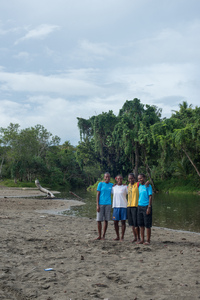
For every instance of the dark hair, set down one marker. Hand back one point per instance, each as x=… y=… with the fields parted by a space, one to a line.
x=119 y=175
x=107 y=173
x=141 y=174
x=131 y=174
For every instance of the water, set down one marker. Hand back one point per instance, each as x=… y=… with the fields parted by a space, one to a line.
x=175 y=211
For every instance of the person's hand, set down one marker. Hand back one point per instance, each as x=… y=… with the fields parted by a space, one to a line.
x=148 y=210
x=98 y=208
x=147 y=183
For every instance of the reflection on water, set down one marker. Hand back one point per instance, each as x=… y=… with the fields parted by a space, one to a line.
x=169 y=210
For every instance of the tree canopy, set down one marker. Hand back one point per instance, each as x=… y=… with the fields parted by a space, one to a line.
x=136 y=140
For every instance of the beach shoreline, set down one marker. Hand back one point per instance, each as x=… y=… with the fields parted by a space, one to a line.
x=84 y=268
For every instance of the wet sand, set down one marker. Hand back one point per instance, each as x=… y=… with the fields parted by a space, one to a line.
x=84 y=268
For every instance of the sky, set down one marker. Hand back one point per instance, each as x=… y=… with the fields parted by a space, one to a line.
x=64 y=59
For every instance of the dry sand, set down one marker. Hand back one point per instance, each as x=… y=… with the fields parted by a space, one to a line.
x=84 y=268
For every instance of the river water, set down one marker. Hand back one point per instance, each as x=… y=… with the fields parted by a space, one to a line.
x=175 y=211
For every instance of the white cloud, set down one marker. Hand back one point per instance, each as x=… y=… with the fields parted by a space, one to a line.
x=22 y=55
x=99 y=49
x=61 y=84
x=39 y=32
x=92 y=56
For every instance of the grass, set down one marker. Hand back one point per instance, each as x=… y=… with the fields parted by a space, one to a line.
x=94 y=186
x=175 y=185
x=25 y=184
x=20 y=184
x=11 y=183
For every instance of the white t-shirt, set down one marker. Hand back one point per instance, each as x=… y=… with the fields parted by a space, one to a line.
x=119 y=196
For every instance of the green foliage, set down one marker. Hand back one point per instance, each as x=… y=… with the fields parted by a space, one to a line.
x=136 y=140
x=175 y=185
x=95 y=185
x=34 y=153
x=10 y=183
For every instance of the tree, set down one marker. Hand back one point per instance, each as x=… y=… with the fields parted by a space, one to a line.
x=186 y=136
x=179 y=133
x=23 y=148
x=132 y=132
x=96 y=135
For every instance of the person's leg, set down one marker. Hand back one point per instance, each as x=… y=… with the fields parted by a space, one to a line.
x=148 y=224
x=140 y=220
x=107 y=212
x=123 y=228
x=134 y=234
x=104 y=229
x=116 y=224
x=137 y=231
x=148 y=236
x=142 y=235
x=130 y=222
x=99 y=230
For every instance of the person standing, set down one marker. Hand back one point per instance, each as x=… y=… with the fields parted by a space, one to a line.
x=132 y=207
x=103 y=205
x=144 y=209
x=119 y=206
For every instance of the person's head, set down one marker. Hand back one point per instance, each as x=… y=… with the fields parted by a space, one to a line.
x=119 y=179
x=141 y=178
x=107 y=177
x=131 y=178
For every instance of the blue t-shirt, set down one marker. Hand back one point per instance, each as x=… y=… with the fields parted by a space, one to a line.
x=144 y=193
x=105 y=193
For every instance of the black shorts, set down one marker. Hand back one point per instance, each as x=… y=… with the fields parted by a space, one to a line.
x=144 y=220
x=132 y=216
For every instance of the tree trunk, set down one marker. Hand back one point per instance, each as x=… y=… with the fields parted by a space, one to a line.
x=191 y=161
x=49 y=194
x=148 y=170
x=136 y=160
x=150 y=178
x=1 y=166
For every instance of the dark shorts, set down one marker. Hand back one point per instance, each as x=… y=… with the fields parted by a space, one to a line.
x=119 y=213
x=132 y=216
x=144 y=220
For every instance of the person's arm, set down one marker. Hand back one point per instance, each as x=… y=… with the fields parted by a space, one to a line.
x=150 y=204
x=126 y=190
x=147 y=183
x=98 y=196
x=149 y=189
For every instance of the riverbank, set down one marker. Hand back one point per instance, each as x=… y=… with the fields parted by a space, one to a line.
x=84 y=268
x=179 y=186
x=169 y=186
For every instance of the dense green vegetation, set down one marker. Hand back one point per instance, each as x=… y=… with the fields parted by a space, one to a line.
x=136 y=140
x=34 y=153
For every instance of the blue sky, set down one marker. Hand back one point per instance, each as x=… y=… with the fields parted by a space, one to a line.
x=77 y=58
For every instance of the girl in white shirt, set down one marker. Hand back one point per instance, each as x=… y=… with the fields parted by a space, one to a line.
x=119 y=205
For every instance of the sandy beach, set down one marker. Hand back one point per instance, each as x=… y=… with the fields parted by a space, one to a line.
x=33 y=240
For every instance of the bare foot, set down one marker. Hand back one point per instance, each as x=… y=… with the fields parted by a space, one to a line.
x=135 y=240
x=147 y=243
x=97 y=239
x=103 y=238
x=117 y=239
x=140 y=242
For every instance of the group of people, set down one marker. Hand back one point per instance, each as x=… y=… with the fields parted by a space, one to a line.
x=138 y=208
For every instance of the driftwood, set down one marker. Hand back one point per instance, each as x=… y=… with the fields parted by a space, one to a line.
x=48 y=193
x=75 y=195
